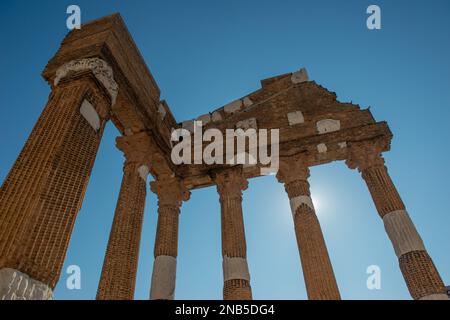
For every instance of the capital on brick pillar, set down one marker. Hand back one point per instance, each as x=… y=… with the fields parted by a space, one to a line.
x=118 y=278
x=43 y=192
x=420 y=274
x=317 y=269
x=230 y=184
x=171 y=193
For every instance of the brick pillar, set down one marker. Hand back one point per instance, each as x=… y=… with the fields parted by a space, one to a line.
x=236 y=276
x=171 y=193
x=43 y=192
x=317 y=269
x=421 y=276
x=118 y=278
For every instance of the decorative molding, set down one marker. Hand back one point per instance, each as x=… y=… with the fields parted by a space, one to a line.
x=230 y=183
x=101 y=70
x=365 y=154
x=170 y=191
x=293 y=168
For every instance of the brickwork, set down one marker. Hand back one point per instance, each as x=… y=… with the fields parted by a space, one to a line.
x=170 y=193
x=317 y=269
x=44 y=190
x=118 y=276
x=421 y=275
x=383 y=191
x=237 y=289
x=230 y=185
x=419 y=272
x=167 y=231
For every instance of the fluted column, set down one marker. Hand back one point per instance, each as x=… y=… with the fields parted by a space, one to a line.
x=43 y=192
x=118 y=278
x=317 y=269
x=419 y=271
x=236 y=276
x=171 y=193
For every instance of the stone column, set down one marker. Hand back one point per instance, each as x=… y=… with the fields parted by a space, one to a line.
x=43 y=192
x=236 y=276
x=171 y=193
x=118 y=278
x=421 y=276
x=317 y=269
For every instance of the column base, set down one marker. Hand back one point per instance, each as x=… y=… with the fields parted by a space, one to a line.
x=15 y=285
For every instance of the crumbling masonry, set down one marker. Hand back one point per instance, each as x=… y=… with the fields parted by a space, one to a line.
x=98 y=75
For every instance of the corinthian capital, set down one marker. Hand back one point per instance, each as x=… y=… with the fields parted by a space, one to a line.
x=363 y=155
x=137 y=148
x=230 y=183
x=293 y=168
x=99 y=68
x=170 y=190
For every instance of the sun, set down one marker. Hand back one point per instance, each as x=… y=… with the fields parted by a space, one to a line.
x=317 y=201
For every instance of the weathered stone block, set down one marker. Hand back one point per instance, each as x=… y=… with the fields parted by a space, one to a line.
x=15 y=285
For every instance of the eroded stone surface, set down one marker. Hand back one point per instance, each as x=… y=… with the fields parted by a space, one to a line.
x=322 y=148
x=162 y=111
x=300 y=76
x=298 y=201
x=87 y=110
x=205 y=119
x=247 y=102
x=403 y=234
x=235 y=268
x=100 y=68
x=247 y=124
x=163 y=278
x=15 y=285
x=233 y=106
x=216 y=116
x=295 y=117
x=328 y=125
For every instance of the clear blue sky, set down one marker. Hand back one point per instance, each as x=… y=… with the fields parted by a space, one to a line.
x=204 y=54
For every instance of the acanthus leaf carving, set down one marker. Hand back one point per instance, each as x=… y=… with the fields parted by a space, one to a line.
x=100 y=69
